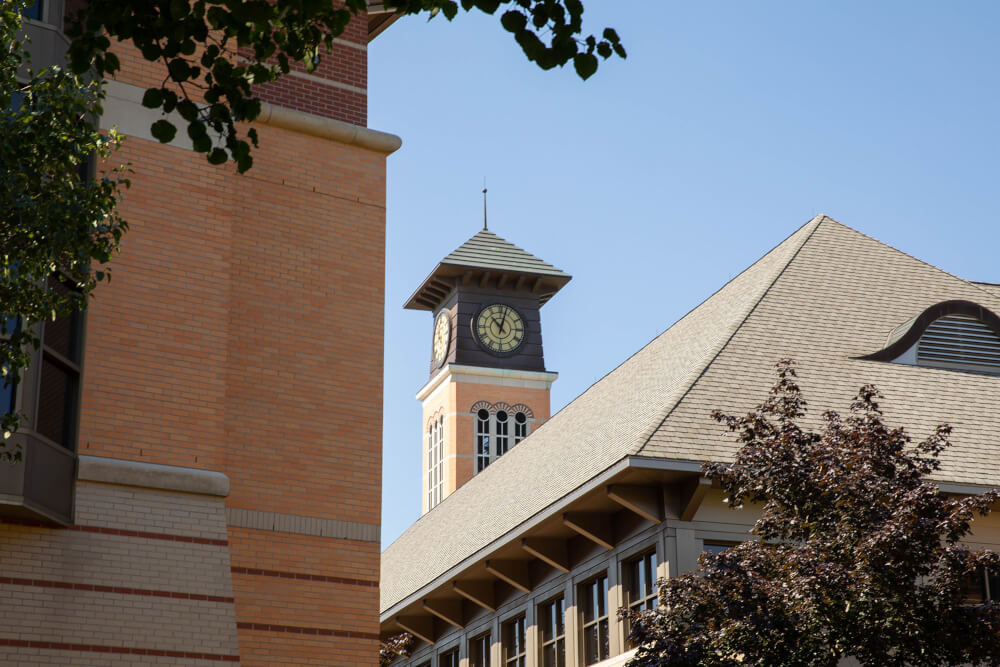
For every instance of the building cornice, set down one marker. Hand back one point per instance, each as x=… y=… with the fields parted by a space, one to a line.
x=151 y=475
x=485 y=375
x=123 y=108
x=328 y=128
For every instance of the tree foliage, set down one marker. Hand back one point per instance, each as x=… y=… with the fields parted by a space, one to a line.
x=58 y=225
x=859 y=553
x=396 y=646
x=215 y=51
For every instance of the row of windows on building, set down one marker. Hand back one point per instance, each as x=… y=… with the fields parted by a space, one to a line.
x=496 y=432
x=639 y=581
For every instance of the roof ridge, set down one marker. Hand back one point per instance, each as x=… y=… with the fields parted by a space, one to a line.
x=974 y=283
x=699 y=371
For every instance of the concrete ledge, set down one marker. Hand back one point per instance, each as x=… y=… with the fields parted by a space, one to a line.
x=152 y=476
x=328 y=128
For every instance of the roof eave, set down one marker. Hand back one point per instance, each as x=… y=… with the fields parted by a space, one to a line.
x=428 y=296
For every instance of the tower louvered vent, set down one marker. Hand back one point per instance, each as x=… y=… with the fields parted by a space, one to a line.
x=960 y=341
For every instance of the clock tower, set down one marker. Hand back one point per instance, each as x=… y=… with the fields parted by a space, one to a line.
x=488 y=386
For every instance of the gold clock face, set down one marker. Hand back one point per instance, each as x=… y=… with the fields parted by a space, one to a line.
x=442 y=336
x=499 y=328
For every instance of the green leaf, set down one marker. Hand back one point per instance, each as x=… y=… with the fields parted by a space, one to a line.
x=152 y=98
x=513 y=21
x=585 y=65
x=217 y=156
x=164 y=131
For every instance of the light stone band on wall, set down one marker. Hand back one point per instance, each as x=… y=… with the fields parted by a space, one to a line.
x=151 y=475
x=302 y=525
x=123 y=109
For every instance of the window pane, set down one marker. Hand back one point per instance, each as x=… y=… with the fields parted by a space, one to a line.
x=449 y=659
x=479 y=651
x=7 y=395
x=482 y=440
x=590 y=641
x=34 y=11
x=56 y=398
x=513 y=642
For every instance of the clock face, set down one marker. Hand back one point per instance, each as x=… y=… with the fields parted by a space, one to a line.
x=499 y=328
x=442 y=336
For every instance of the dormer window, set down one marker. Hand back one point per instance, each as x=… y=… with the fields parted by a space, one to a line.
x=959 y=341
x=958 y=335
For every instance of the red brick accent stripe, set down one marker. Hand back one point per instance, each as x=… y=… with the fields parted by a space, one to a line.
x=96 y=648
x=298 y=630
x=120 y=532
x=124 y=590
x=303 y=576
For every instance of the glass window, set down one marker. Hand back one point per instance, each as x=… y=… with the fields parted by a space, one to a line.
x=479 y=651
x=34 y=11
x=520 y=427
x=716 y=547
x=512 y=636
x=594 y=608
x=482 y=440
x=639 y=575
x=435 y=462
x=449 y=659
x=552 y=632
x=501 y=432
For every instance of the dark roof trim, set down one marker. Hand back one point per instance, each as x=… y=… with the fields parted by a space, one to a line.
x=915 y=328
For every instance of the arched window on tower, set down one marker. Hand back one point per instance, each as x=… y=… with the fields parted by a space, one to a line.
x=482 y=439
x=502 y=432
x=520 y=427
x=496 y=426
x=435 y=461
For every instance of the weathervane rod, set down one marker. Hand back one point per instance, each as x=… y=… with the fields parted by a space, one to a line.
x=484 y=205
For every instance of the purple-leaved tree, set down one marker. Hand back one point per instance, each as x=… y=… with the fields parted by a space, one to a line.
x=858 y=553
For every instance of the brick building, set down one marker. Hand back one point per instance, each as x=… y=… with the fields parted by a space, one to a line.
x=527 y=561
x=201 y=473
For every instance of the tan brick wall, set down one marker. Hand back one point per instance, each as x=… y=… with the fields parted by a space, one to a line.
x=242 y=332
x=105 y=586
x=454 y=401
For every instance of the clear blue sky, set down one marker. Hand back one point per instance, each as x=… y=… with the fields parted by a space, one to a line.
x=729 y=125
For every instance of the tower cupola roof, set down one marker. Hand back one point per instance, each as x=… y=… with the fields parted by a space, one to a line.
x=483 y=258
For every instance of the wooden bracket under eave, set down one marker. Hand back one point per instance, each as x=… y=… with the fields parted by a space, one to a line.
x=595 y=527
x=513 y=572
x=449 y=611
x=481 y=593
x=553 y=551
x=421 y=627
x=692 y=493
x=644 y=500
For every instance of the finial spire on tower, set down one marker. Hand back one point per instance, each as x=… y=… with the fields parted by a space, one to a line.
x=484 y=205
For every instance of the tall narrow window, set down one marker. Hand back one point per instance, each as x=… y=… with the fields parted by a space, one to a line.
x=552 y=632
x=594 y=604
x=449 y=659
x=640 y=584
x=60 y=374
x=435 y=462
x=520 y=427
x=8 y=385
x=502 y=432
x=482 y=439
x=512 y=640
x=479 y=651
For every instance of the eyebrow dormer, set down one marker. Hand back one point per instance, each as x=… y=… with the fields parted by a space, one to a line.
x=959 y=335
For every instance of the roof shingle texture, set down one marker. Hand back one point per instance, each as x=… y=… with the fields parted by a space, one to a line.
x=486 y=250
x=825 y=296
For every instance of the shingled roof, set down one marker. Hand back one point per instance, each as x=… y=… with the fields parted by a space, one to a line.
x=825 y=297
x=487 y=252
